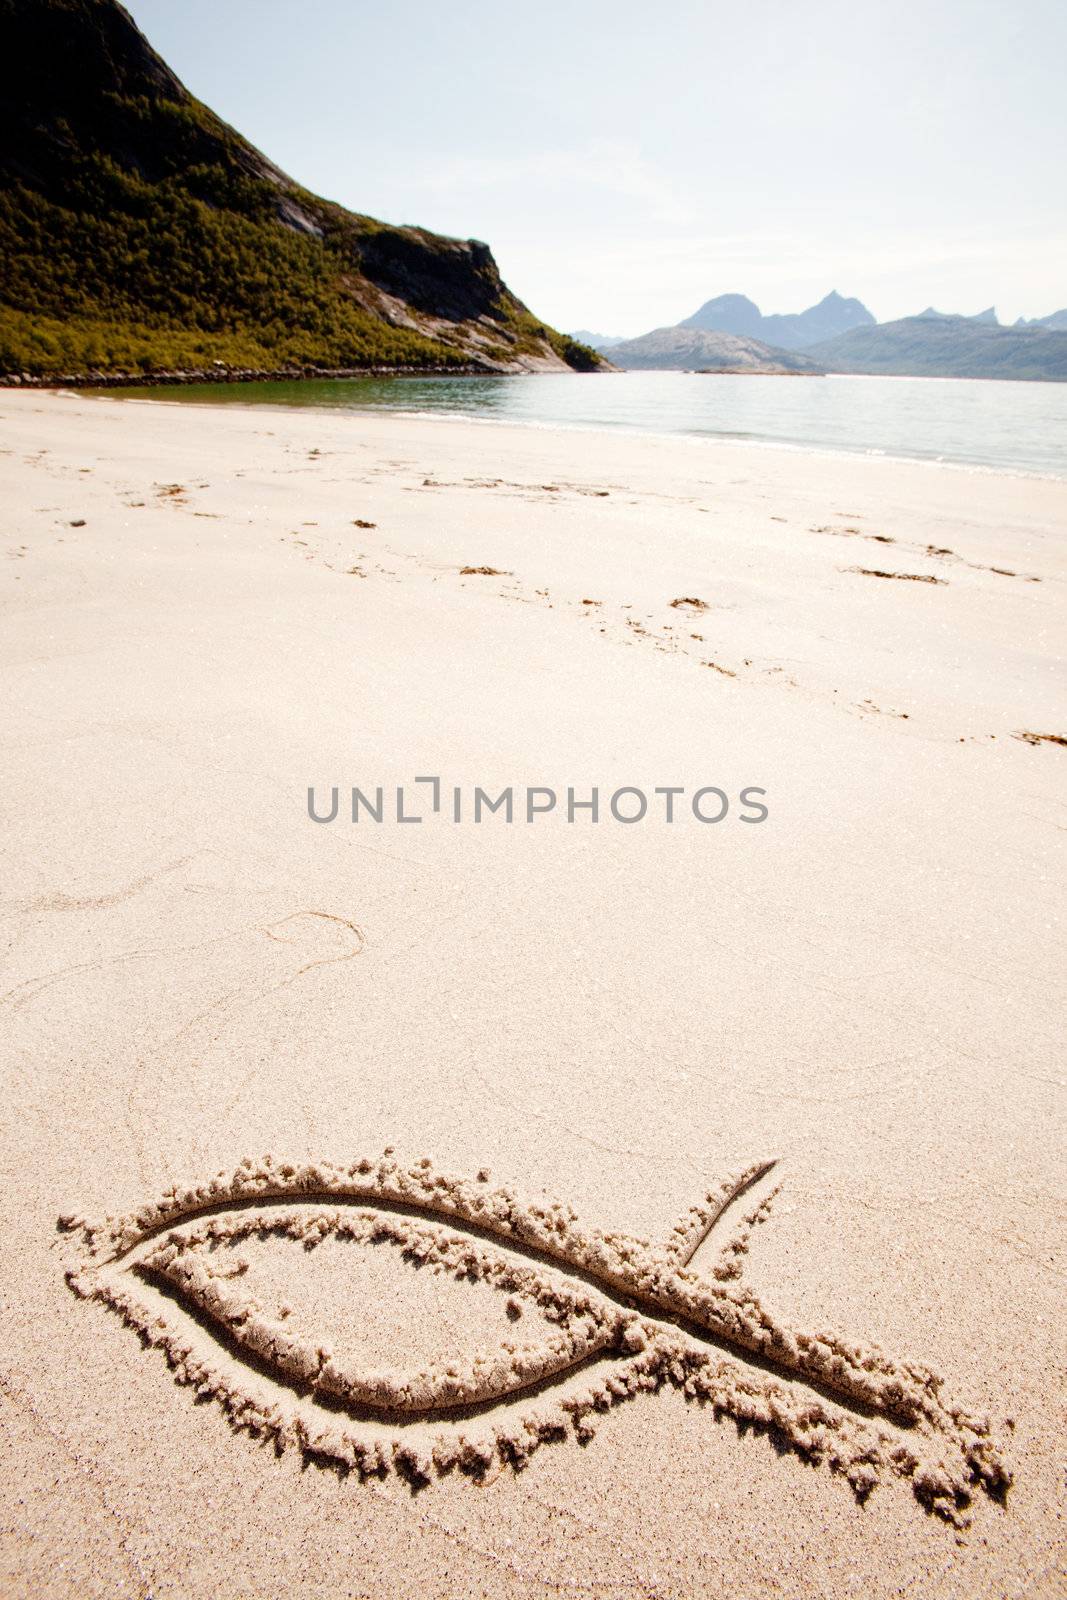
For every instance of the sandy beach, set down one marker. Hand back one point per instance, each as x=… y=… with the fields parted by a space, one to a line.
x=618 y=1207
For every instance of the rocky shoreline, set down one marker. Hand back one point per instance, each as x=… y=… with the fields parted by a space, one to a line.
x=219 y=374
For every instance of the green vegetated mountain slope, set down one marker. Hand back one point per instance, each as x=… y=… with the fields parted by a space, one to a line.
x=139 y=232
x=933 y=346
x=702 y=350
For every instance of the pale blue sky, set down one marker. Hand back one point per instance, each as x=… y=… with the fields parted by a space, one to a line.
x=627 y=161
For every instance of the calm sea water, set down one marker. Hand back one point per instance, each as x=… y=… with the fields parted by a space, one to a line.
x=1018 y=427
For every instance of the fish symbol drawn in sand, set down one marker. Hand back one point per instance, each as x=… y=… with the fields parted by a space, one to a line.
x=615 y=1317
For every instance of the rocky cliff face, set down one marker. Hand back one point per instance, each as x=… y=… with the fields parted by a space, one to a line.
x=138 y=229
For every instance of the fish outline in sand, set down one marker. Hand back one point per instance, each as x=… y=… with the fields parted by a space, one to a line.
x=627 y=1318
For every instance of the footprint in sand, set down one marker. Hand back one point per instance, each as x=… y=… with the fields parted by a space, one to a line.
x=906 y=577
x=536 y=1323
x=321 y=938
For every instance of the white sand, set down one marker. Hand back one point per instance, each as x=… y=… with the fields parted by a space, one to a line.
x=611 y=1018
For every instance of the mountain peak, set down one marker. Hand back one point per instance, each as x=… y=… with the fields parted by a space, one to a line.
x=1056 y=320
x=734 y=301
x=737 y=314
x=728 y=313
x=989 y=316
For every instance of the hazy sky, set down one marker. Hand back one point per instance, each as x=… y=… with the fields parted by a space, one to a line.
x=627 y=161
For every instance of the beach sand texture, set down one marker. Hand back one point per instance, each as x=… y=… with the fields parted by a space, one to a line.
x=508 y=1209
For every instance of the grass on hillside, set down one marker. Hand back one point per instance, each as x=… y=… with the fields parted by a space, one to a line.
x=106 y=268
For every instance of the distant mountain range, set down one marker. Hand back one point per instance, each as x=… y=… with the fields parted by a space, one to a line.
x=934 y=346
x=988 y=315
x=735 y=313
x=598 y=341
x=730 y=333
x=1057 y=321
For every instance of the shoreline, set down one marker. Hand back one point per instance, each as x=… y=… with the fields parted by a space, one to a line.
x=237 y=375
x=113 y=380
x=607 y=431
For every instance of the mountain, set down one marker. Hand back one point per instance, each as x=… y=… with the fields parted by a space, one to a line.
x=735 y=313
x=139 y=231
x=989 y=315
x=936 y=346
x=728 y=313
x=698 y=349
x=1057 y=321
x=597 y=341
